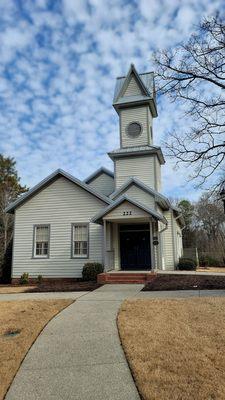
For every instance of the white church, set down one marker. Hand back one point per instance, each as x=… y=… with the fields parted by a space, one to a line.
x=119 y=218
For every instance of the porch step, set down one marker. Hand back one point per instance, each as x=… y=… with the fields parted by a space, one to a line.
x=126 y=277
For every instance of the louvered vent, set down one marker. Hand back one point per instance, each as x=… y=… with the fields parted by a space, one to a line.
x=134 y=129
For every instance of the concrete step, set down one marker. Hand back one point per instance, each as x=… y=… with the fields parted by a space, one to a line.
x=121 y=277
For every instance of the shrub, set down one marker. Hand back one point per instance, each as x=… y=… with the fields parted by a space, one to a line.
x=24 y=279
x=91 y=270
x=186 y=264
x=207 y=261
x=40 y=279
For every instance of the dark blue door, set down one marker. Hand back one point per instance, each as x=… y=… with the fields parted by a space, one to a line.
x=135 y=249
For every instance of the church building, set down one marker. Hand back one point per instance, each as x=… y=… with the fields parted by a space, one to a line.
x=119 y=218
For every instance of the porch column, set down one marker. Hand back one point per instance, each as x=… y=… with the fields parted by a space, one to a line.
x=104 y=244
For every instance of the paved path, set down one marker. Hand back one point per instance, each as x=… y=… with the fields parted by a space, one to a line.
x=176 y=272
x=180 y=294
x=78 y=355
x=41 y=296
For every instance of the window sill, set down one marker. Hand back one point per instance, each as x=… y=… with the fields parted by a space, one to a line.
x=40 y=257
x=79 y=257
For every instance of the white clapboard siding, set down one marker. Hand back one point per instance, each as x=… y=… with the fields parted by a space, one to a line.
x=118 y=212
x=141 y=167
x=59 y=205
x=133 y=88
x=103 y=184
x=134 y=114
x=168 y=243
x=136 y=193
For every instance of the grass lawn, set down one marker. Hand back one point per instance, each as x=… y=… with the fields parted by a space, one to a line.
x=20 y=324
x=175 y=348
x=185 y=282
x=54 y=286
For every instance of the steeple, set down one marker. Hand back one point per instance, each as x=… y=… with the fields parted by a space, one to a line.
x=134 y=101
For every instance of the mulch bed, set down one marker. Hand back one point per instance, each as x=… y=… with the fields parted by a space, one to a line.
x=78 y=286
x=185 y=282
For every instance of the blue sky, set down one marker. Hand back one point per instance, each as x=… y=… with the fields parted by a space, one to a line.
x=58 y=64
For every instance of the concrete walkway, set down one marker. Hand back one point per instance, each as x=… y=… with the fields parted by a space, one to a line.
x=78 y=355
x=41 y=296
x=176 y=294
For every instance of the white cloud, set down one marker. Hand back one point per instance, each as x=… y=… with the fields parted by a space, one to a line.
x=58 y=68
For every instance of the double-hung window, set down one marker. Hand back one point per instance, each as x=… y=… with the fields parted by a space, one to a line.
x=41 y=241
x=80 y=240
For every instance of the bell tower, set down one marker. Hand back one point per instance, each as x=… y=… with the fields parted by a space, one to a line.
x=134 y=101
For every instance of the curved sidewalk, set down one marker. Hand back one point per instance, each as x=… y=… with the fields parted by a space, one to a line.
x=78 y=355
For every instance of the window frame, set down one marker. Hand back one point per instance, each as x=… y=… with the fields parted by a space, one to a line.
x=41 y=256
x=85 y=256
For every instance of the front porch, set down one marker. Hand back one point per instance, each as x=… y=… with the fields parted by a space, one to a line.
x=130 y=237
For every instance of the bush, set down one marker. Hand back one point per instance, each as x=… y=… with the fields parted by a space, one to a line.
x=186 y=264
x=207 y=261
x=91 y=270
x=40 y=279
x=24 y=279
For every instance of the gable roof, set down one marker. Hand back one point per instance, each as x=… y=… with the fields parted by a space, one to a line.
x=146 y=83
x=139 y=151
x=122 y=83
x=98 y=172
x=47 y=181
x=160 y=199
x=98 y=217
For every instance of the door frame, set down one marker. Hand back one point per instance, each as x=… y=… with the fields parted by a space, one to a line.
x=148 y=229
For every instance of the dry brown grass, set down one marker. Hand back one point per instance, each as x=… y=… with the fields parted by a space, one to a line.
x=175 y=348
x=211 y=269
x=9 y=289
x=28 y=317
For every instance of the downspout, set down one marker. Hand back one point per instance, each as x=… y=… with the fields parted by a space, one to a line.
x=160 y=242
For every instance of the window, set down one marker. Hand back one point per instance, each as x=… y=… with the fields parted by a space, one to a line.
x=80 y=240
x=41 y=240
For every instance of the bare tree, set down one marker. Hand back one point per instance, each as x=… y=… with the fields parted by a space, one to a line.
x=193 y=74
x=209 y=225
x=10 y=189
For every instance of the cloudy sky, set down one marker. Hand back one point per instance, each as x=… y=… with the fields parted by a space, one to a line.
x=58 y=64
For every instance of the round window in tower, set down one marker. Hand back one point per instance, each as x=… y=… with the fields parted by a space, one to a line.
x=134 y=129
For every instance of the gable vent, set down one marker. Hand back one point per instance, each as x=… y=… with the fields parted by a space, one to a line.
x=134 y=129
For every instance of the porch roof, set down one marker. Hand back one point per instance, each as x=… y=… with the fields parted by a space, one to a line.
x=98 y=218
x=160 y=199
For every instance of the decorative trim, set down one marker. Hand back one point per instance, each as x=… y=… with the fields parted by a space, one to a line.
x=88 y=239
